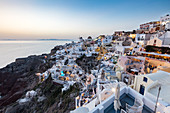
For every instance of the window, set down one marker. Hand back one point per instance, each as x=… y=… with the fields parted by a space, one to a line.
x=128 y=62
x=145 y=79
x=142 y=89
x=138 y=38
x=154 y=41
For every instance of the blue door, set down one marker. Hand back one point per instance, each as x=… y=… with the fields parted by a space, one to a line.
x=142 y=89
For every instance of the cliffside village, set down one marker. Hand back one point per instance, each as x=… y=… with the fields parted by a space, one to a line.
x=137 y=62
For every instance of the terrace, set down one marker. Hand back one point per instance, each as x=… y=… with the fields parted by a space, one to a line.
x=163 y=57
x=127 y=98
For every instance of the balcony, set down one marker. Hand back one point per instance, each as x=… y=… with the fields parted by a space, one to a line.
x=127 y=98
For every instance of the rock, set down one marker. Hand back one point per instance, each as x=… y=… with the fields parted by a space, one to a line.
x=87 y=63
x=53 y=51
x=72 y=95
x=21 y=101
x=19 y=77
x=41 y=98
x=31 y=94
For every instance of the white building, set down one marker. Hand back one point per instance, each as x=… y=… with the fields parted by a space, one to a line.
x=139 y=39
x=149 y=25
x=81 y=39
x=166 y=35
x=149 y=84
x=167 y=26
x=154 y=40
x=165 y=19
x=119 y=43
x=165 y=38
x=107 y=39
x=99 y=42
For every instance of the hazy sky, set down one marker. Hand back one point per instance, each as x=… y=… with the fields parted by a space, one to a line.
x=33 y=19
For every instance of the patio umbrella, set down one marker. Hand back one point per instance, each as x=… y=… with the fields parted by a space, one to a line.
x=117 y=96
x=98 y=92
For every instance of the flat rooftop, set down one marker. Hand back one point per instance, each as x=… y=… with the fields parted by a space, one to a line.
x=164 y=93
x=163 y=78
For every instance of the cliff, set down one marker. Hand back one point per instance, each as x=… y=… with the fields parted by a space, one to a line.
x=19 y=77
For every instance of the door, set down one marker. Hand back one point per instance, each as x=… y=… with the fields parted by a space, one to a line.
x=142 y=89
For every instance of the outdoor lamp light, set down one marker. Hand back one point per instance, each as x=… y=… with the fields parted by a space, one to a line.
x=113 y=89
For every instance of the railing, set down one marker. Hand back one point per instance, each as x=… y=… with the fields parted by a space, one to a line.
x=124 y=90
x=136 y=108
x=123 y=111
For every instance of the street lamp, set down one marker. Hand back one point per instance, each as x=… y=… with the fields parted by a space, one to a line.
x=157 y=99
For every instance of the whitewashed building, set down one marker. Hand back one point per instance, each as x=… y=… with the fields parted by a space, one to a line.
x=154 y=40
x=165 y=19
x=165 y=38
x=167 y=26
x=149 y=84
x=139 y=39
x=107 y=39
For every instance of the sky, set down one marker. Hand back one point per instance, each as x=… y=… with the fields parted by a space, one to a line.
x=70 y=19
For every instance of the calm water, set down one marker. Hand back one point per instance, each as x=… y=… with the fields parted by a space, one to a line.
x=10 y=50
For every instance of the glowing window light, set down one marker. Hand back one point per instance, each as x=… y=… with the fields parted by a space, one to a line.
x=62 y=73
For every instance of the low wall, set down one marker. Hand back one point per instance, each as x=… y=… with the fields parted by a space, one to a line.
x=105 y=104
x=148 y=95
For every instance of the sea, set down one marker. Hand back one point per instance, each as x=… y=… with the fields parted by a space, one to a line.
x=12 y=49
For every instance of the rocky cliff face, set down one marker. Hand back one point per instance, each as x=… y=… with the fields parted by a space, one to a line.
x=19 y=77
x=54 y=101
x=87 y=63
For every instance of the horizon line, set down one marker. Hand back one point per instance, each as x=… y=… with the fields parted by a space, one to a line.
x=36 y=39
